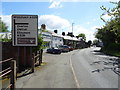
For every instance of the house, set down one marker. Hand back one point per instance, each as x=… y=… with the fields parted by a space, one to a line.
x=57 y=40
x=47 y=38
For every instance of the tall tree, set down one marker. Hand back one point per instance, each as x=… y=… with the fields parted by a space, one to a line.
x=110 y=32
x=82 y=35
x=3 y=27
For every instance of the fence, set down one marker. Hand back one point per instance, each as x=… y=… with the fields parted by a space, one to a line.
x=9 y=71
x=37 y=59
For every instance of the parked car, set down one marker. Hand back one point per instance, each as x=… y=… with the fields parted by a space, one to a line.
x=64 y=48
x=70 y=48
x=54 y=50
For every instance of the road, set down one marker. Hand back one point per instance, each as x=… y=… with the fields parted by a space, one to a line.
x=92 y=70
x=83 y=68
x=56 y=73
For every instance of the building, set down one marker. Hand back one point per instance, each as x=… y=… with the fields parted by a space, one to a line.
x=47 y=38
x=57 y=40
x=52 y=39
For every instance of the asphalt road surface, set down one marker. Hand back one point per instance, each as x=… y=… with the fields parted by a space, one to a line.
x=93 y=69
x=83 y=68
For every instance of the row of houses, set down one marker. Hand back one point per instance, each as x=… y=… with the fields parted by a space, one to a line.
x=53 y=39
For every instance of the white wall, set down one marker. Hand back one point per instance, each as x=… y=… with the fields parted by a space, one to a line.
x=56 y=41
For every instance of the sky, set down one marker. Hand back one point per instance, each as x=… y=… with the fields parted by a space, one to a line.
x=60 y=14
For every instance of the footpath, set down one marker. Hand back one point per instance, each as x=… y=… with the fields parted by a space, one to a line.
x=55 y=72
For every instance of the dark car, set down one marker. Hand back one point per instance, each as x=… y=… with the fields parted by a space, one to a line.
x=64 y=48
x=70 y=48
x=54 y=50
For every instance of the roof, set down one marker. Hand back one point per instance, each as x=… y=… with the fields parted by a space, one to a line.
x=70 y=38
x=57 y=35
x=67 y=37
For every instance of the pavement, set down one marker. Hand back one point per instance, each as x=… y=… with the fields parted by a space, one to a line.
x=55 y=72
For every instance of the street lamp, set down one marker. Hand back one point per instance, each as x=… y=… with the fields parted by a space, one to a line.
x=72 y=27
x=72 y=35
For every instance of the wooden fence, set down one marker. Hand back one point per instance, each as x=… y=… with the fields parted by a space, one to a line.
x=37 y=59
x=9 y=71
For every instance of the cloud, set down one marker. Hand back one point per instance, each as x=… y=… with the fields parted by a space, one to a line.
x=88 y=23
x=89 y=33
x=106 y=17
x=94 y=28
x=53 y=22
x=55 y=4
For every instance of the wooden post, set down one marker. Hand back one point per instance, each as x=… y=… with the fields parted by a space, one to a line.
x=35 y=59
x=24 y=57
x=41 y=54
x=39 y=58
x=17 y=61
x=32 y=59
x=13 y=75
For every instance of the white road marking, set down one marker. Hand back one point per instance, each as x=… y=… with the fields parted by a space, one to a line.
x=75 y=78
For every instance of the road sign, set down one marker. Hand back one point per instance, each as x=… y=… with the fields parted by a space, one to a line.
x=25 y=30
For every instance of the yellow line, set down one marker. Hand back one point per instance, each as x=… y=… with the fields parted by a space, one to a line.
x=75 y=78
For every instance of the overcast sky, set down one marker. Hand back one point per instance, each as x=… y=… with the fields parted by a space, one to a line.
x=60 y=14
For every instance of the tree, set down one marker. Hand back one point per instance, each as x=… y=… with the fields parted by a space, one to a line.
x=95 y=42
x=83 y=36
x=89 y=43
x=3 y=27
x=109 y=34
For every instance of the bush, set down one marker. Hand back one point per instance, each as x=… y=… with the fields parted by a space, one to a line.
x=113 y=47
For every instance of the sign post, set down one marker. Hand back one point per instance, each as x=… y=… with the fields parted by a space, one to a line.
x=24 y=33
x=25 y=30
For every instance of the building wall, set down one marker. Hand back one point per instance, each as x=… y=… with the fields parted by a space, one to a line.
x=56 y=41
x=47 y=38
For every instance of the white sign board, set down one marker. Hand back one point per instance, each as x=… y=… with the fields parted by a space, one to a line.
x=25 y=30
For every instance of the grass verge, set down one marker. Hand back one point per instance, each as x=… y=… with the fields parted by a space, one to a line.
x=112 y=53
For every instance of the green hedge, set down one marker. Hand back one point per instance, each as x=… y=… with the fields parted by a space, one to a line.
x=112 y=49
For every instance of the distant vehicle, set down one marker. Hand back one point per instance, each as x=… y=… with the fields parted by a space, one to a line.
x=54 y=50
x=70 y=48
x=99 y=44
x=64 y=48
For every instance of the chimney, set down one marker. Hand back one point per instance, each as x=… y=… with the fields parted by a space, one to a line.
x=43 y=26
x=63 y=33
x=55 y=31
x=70 y=34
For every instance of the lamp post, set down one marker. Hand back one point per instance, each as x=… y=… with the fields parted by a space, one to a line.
x=72 y=35
x=72 y=28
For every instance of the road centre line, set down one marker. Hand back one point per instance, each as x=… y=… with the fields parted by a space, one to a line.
x=75 y=78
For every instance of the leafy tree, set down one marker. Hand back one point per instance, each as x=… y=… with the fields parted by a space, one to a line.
x=83 y=36
x=95 y=42
x=3 y=27
x=109 y=34
x=89 y=43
